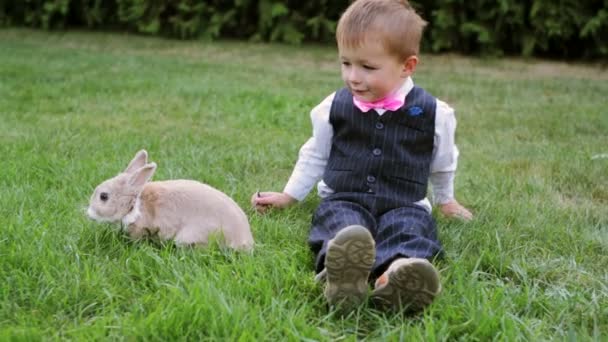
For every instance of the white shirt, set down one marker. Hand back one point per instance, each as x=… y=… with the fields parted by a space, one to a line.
x=314 y=153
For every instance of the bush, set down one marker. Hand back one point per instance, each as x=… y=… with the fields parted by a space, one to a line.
x=562 y=28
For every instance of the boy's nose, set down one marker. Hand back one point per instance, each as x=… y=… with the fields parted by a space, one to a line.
x=353 y=77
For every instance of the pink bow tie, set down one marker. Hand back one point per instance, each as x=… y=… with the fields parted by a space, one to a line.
x=391 y=102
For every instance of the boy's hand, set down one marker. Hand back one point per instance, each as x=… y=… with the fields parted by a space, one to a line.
x=262 y=201
x=453 y=209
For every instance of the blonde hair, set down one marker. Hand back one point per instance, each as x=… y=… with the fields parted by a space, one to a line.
x=396 y=21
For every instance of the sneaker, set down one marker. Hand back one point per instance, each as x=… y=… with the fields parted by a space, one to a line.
x=409 y=284
x=348 y=261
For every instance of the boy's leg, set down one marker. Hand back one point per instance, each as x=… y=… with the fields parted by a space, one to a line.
x=348 y=262
x=408 y=232
x=345 y=250
x=330 y=217
x=409 y=284
x=406 y=239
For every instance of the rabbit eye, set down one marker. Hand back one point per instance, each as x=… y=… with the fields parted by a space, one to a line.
x=103 y=196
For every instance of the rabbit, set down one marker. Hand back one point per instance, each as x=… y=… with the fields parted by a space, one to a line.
x=186 y=211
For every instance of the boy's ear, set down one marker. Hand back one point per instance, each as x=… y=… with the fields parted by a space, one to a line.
x=409 y=66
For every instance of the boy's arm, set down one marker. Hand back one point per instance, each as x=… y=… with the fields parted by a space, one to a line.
x=313 y=154
x=445 y=162
x=310 y=166
x=445 y=154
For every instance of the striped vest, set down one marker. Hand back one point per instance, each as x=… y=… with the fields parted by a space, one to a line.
x=388 y=155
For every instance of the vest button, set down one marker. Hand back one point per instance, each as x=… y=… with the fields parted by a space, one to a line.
x=371 y=179
x=379 y=125
x=377 y=151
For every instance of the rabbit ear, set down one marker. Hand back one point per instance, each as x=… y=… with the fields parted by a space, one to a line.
x=140 y=159
x=142 y=175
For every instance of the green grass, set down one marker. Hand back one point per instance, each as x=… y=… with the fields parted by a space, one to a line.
x=75 y=107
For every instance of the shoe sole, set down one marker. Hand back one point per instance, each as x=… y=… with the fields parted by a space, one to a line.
x=409 y=287
x=348 y=261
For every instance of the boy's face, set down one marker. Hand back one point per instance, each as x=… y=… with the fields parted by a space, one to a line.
x=370 y=72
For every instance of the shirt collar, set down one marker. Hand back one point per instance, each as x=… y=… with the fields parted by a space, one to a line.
x=402 y=92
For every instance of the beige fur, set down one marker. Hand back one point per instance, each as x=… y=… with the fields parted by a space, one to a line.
x=186 y=211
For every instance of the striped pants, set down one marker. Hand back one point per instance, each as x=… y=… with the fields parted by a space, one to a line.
x=399 y=231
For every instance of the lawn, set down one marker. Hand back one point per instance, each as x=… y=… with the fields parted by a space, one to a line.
x=75 y=107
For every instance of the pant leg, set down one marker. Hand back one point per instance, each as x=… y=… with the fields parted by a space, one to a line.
x=330 y=217
x=405 y=232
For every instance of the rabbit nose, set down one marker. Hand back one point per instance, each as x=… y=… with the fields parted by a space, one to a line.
x=91 y=213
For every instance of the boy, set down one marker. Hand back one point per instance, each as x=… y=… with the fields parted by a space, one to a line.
x=375 y=144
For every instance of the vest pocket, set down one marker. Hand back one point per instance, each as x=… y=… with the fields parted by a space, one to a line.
x=406 y=173
x=415 y=123
x=401 y=180
x=343 y=164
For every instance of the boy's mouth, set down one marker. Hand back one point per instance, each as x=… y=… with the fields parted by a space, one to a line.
x=359 y=93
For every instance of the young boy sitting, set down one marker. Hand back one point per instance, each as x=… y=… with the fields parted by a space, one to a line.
x=375 y=145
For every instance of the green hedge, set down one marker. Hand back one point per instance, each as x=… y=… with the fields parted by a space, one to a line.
x=560 y=28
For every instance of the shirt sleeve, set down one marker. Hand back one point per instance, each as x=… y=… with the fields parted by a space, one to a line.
x=445 y=154
x=314 y=154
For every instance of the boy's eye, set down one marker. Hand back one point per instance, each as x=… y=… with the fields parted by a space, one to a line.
x=345 y=63
x=369 y=67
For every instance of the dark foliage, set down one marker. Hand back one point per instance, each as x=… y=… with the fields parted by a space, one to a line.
x=562 y=28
